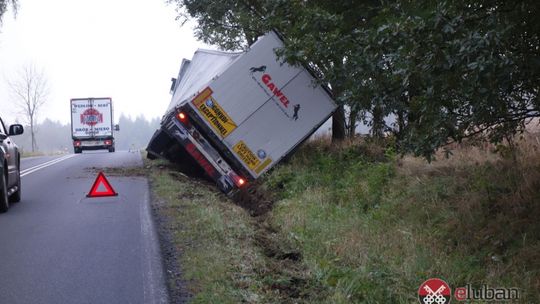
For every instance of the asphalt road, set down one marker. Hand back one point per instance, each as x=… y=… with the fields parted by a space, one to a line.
x=58 y=246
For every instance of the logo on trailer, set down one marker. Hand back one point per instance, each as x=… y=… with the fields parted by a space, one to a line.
x=271 y=89
x=261 y=69
x=296 y=109
x=91 y=117
x=261 y=154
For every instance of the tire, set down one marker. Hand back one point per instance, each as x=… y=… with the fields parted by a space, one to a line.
x=4 y=201
x=111 y=149
x=77 y=150
x=16 y=197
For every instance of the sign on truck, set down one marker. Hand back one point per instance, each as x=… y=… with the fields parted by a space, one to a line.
x=238 y=114
x=92 y=124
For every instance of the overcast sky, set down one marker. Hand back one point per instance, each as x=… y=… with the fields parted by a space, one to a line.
x=124 y=49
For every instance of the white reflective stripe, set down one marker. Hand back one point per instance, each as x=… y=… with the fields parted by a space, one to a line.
x=45 y=165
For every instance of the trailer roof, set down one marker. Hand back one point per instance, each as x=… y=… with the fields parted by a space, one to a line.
x=194 y=74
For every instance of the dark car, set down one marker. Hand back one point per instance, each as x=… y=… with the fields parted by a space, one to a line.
x=10 y=165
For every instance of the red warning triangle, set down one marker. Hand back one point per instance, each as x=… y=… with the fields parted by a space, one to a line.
x=102 y=182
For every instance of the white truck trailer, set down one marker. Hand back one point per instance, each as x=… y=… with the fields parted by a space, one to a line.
x=236 y=115
x=92 y=124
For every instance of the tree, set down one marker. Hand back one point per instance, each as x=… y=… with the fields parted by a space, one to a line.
x=4 y=6
x=30 y=90
x=447 y=69
x=451 y=70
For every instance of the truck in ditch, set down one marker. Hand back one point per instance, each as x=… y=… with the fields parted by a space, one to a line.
x=237 y=115
x=92 y=124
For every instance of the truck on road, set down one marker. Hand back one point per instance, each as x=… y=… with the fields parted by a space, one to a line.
x=92 y=124
x=236 y=115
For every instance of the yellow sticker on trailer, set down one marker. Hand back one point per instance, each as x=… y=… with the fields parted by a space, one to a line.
x=214 y=114
x=261 y=167
x=245 y=154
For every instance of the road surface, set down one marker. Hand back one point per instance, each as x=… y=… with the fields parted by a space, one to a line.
x=58 y=246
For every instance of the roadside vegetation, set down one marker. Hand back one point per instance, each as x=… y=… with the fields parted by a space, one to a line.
x=215 y=252
x=373 y=227
x=356 y=223
x=25 y=153
x=210 y=239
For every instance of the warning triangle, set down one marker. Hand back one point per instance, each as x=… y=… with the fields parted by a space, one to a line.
x=98 y=186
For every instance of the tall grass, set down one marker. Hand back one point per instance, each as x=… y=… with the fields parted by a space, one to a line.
x=354 y=223
x=212 y=239
x=372 y=227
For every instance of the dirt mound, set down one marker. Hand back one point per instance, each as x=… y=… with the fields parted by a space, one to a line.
x=255 y=199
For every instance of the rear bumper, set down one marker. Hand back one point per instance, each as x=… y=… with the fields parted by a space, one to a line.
x=94 y=144
x=202 y=152
x=94 y=147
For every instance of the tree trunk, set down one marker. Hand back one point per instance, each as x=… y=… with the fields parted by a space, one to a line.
x=377 y=127
x=399 y=133
x=338 y=124
x=33 y=137
x=351 y=127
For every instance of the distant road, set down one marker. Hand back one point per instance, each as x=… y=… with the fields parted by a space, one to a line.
x=57 y=246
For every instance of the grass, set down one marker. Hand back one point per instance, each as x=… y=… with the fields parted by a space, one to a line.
x=354 y=223
x=213 y=238
x=373 y=228
x=225 y=255
x=25 y=154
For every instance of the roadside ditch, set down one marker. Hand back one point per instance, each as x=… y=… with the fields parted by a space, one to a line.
x=218 y=249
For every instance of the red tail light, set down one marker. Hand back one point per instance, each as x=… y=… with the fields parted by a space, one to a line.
x=77 y=143
x=181 y=116
x=238 y=180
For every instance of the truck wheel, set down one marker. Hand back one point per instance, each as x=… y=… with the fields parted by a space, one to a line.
x=111 y=149
x=4 y=202
x=77 y=150
x=16 y=197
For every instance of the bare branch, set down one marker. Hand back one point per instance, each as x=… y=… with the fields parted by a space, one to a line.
x=30 y=90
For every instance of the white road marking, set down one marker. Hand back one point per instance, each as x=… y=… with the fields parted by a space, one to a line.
x=45 y=165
